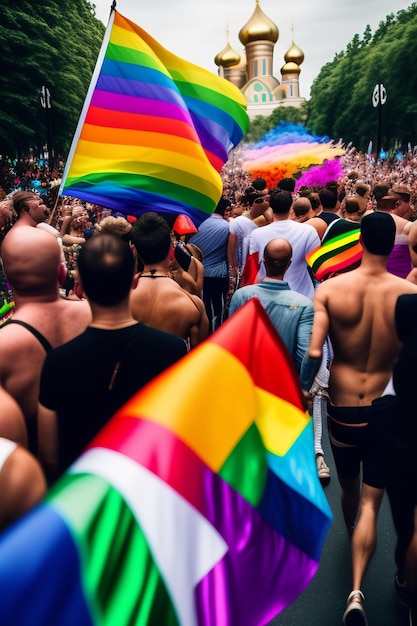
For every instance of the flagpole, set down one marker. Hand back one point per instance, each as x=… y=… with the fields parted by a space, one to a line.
x=89 y=95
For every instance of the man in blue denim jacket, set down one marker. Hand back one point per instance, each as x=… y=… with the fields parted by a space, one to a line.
x=290 y=312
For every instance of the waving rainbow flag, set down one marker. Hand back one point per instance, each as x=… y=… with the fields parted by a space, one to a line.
x=155 y=129
x=336 y=254
x=198 y=503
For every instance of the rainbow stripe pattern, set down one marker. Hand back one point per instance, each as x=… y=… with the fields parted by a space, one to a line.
x=155 y=129
x=336 y=255
x=197 y=504
x=288 y=149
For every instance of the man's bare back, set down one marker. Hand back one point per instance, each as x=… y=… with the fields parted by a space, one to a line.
x=360 y=310
x=160 y=302
x=31 y=260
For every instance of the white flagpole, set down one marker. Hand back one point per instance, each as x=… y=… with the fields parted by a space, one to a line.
x=88 y=97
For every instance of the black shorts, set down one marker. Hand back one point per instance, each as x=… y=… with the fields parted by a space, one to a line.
x=367 y=443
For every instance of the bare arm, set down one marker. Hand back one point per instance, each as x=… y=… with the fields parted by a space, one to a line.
x=22 y=486
x=312 y=360
x=199 y=332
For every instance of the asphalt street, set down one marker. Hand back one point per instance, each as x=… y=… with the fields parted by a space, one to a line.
x=323 y=602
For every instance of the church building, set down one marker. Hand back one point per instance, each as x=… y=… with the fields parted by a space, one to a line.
x=252 y=72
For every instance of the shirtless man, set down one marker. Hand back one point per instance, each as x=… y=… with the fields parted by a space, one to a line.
x=30 y=208
x=357 y=310
x=159 y=301
x=32 y=264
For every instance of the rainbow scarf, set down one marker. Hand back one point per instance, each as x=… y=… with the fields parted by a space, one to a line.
x=198 y=503
x=155 y=129
x=336 y=255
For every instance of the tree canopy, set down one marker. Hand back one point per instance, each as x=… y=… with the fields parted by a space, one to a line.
x=341 y=95
x=52 y=44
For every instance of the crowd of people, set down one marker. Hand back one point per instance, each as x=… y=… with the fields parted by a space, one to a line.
x=91 y=297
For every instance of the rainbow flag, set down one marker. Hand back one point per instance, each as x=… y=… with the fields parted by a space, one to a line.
x=197 y=504
x=155 y=129
x=336 y=255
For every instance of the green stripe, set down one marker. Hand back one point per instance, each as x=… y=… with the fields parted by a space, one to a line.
x=325 y=256
x=216 y=98
x=246 y=469
x=157 y=186
x=121 y=581
x=130 y=55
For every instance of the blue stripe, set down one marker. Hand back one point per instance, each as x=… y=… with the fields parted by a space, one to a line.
x=136 y=73
x=134 y=201
x=40 y=583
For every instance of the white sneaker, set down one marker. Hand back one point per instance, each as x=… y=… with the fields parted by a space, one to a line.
x=323 y=470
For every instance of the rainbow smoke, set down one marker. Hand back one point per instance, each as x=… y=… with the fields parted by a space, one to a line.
x=289 y=149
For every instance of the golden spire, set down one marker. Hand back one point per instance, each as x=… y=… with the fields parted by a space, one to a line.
x=294 y=54
x=227 y=57
x=258 y=28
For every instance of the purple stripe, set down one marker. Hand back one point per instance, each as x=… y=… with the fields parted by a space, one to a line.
x=131 y=104
x=261 y=573
x=123 y=86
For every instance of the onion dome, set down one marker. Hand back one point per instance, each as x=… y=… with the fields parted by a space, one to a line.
x=294 y=54
x=227 y=57
x=290 y=68
x=258 y=28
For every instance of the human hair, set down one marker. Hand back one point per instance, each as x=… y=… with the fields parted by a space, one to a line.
x=259 y=184
x=20 y=198
x=105 y=267
x=378 y=233
x=301 y=206
x=115 y=225
x=315 y=200
x=286 y=184
x=222 y=205
x=328 y=199
x=280 y=202
x=351 y=205
x=151 y=237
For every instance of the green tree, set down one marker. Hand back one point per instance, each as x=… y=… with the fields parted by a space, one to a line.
x=50 y=43
x=341 y=96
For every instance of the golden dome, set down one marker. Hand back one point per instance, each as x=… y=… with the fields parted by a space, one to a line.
x=227 y=57
x=258 y=28
x=294 y=55
x=290 y=68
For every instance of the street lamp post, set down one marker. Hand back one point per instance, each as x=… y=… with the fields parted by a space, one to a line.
x=46 y=103
x=379 y=97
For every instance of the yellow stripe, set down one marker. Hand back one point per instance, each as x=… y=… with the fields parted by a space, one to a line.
x=279 y=422
x=110 y=158
x=207 y=399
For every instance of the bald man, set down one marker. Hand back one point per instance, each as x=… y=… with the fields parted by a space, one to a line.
x=301 y=210
x=42 y=320
x=290 y=312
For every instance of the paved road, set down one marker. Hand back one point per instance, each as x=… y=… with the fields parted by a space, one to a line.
x=324 y=600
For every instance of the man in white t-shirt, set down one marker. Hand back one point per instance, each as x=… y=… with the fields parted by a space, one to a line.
x=303 y=239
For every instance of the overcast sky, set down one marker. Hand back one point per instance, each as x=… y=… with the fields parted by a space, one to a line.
x=196 y=29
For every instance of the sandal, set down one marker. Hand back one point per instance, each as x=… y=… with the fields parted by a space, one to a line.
x=355 y=614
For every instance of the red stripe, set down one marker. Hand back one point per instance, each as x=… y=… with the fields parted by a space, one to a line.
x=137 y=121
x=262 y=352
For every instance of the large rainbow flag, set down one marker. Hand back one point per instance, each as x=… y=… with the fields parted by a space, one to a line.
x=198 y=503
x=155 y=130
